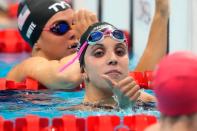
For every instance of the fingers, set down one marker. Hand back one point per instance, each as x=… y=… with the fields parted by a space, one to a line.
x=126 y=88
x=111 y=82
x=81 y=15
x=87 y=17
x=90 y=17
x=93 y=17
x=82 y=20
x=125 y=81
x=134 y=93
x=136 y=96
x=129 y=88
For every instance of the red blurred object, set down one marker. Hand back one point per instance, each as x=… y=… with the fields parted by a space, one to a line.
x=31 y=84
x=108 y=123
x=92 y=123
x=127 y=34
x=102 y=123
x=148 y=76
x=144 y=79
x=6 y=125
x=2 y=84
x=73 y=123
x=12 y=10
x=139 y=78
x=139 y=122
x=10 y=85
x=68 y=123
x=1 y=123
x=28 y=84
x=31 y=123
x=12 y=42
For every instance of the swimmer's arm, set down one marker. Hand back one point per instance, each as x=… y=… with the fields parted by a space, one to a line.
x=157 y=42
x=47 y=72
x=82 y=20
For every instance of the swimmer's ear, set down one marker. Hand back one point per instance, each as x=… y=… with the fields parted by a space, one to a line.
x=84 y=74
x=85 y=77
x=35 y=49
x=37 y=46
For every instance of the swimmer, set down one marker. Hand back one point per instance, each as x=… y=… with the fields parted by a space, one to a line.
x=52 y=28
x=176 y=91
x=103 y=57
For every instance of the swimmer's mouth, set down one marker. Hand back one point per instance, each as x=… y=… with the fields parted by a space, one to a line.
x=115 y=72
x=72 y=46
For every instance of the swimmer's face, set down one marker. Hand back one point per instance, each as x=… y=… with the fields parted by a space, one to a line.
x=108 y=57
x=58 y=46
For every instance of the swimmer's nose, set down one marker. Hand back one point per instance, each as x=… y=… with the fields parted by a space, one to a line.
x=76 y=32
x=72 y=35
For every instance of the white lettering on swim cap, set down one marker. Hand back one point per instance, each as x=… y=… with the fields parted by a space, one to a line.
x=30 y=30
x=25 y=12
x=61 y=4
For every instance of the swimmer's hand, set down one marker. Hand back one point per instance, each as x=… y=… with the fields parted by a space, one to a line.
x=82 y=20
x=126 y=90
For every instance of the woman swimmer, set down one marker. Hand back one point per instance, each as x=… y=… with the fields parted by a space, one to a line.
x=103 y=57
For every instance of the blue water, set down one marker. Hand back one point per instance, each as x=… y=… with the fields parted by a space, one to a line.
x=46 y=103
x=7 y=61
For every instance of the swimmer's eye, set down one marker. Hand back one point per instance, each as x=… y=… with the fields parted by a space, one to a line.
x=99 y=53
x=120 y=51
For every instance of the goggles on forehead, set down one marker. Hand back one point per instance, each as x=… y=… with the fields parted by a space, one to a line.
x=98 y=36
x=59 y=28
x=95 y=37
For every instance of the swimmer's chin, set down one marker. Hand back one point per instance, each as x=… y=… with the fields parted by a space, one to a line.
x=115 y=77
x=114 y=74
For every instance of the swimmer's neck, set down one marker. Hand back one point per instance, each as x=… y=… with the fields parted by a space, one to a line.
x=96 y=95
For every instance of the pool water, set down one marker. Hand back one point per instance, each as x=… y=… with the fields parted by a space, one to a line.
x=47 y=103
x=7 y=61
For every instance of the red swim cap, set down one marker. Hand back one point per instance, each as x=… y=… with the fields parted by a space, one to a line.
x=175 y=84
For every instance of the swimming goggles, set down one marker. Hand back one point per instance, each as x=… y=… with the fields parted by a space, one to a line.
x=98 y=36
x=59 y=28
x=95 y=37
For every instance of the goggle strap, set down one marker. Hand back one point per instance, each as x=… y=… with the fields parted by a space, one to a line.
x=46 y=29
x=75 y=58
